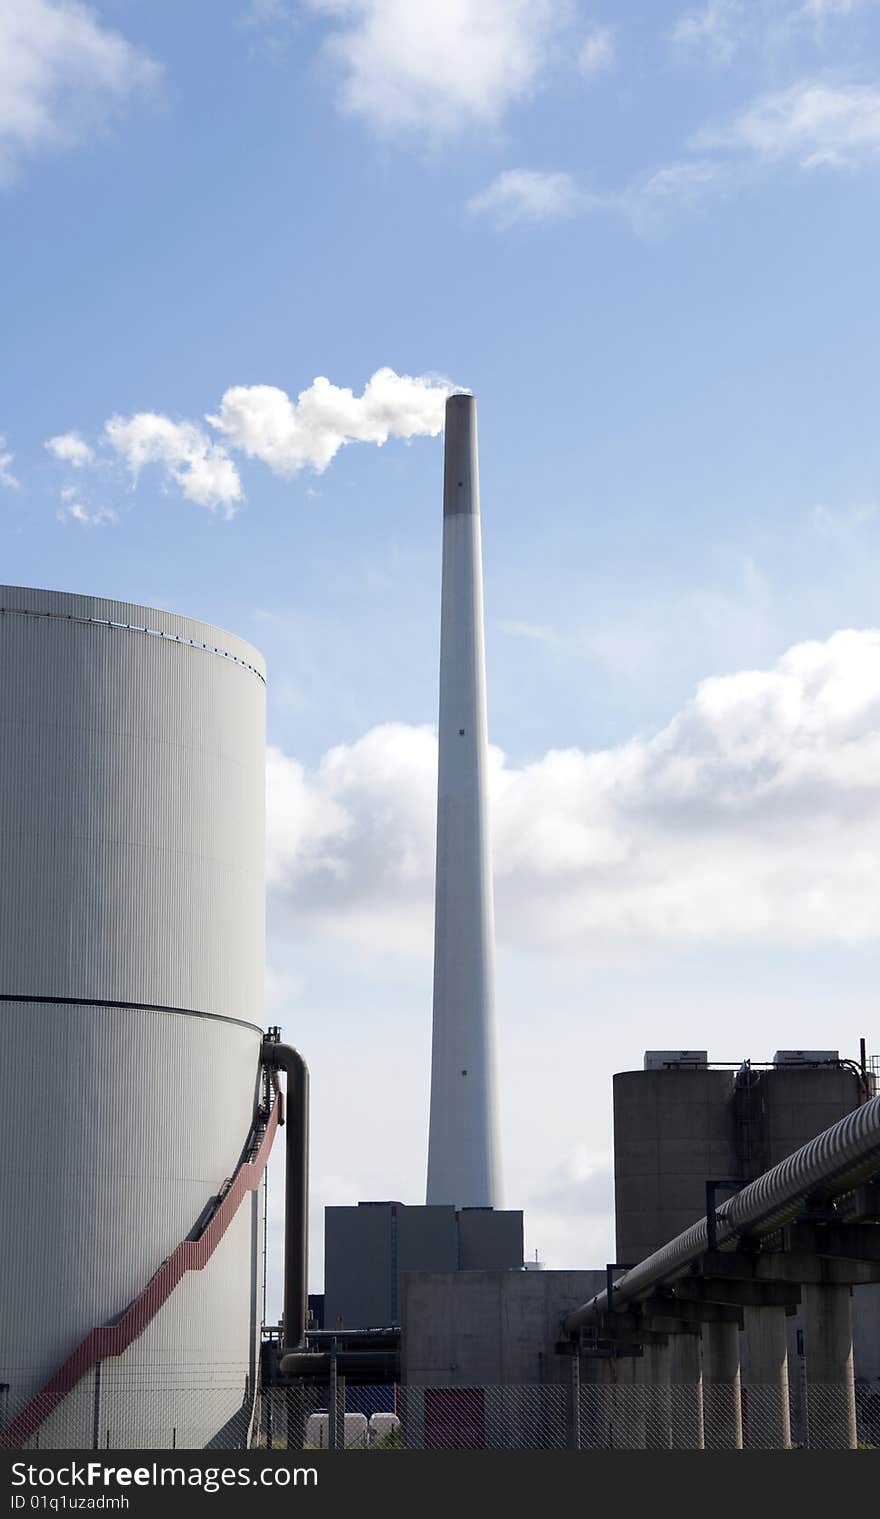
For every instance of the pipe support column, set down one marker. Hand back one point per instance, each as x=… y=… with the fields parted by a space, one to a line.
x=767 y=1402
x=686 y=1391
x=828 y=1352
x=722 y=1387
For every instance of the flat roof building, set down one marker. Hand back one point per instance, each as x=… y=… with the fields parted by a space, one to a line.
x=368 y=1249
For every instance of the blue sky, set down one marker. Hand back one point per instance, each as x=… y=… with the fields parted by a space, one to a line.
x=646 y=237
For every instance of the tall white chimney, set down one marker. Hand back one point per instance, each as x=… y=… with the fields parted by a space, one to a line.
x=464 y=1151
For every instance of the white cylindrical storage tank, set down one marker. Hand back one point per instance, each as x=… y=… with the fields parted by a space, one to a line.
x=132 y=796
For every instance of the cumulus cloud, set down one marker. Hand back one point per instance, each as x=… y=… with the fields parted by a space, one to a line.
x=570 y=1214
x=753 y=815
x=357 y=833
x=520 y=195
x=7 y=478
x=596 y=53
x=266 y=424
x=718 y=30
x=74 y=509
x=812 y=122
x=61 y=74
x=690 y=183
x=528 y=195
x=202 y=469
x=439 y=65
x=823 y=10
x=70 y=448
x=714 y=31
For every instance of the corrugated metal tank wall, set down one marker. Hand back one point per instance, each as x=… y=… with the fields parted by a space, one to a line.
x=132 y=786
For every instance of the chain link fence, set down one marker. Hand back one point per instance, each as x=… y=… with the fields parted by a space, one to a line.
x=146 y=1406
x=215 y=1407
x=556 y=1416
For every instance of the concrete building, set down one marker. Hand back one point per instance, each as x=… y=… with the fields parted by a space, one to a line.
x=488 y=1328
x=464 y=1147
x=132 y=758
x=681 y=1122
x=369 y=1249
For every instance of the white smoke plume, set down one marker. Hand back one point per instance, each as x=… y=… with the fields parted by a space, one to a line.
x=202 y=469
x=266 y=424
x=263 y=422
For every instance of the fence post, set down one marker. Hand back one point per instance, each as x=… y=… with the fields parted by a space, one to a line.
x=96 y=1413
x=333 y=1401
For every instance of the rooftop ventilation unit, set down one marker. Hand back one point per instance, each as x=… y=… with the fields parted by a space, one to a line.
x=659 y=1060
x=806 y=1057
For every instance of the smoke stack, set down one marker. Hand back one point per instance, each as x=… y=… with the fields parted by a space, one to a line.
x=464 y=1152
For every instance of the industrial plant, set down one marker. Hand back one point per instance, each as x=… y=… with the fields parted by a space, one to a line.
x=141 y=1095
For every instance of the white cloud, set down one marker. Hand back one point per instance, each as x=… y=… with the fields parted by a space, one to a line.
x=688 y=183
x=365 y=814
x=525 y=195
x=537 y=632
x=570 y=1214
x=266 y=424
x=842 y=526
x=753 y=815
x=719 y=30
x=812 y=122
x=70 y=448
x=715 y=31
x=822 y=10
x=75 y=510
x=202 y=469
x=7 y=478
x=439 y=65
x=528 y=195
x=597 y=51
x=61 y=74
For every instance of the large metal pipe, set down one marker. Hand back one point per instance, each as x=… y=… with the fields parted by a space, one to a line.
x=363 y=1366
x=835 y=1162
x=283 y=1057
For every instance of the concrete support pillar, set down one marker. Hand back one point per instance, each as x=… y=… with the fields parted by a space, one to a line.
x=595 y=1403
x=722 y=1387
x=828 y=1352
x=627 y=1410
x=767 y=1407
x=652 y=1381
x=686 y=1390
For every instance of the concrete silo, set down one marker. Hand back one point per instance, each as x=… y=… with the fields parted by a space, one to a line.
x=131 y=963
